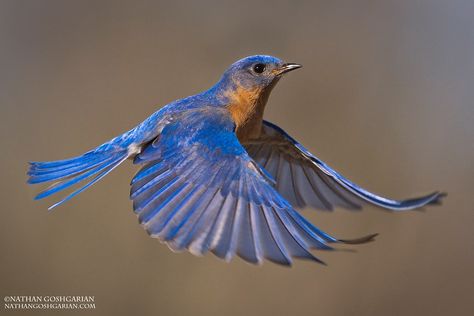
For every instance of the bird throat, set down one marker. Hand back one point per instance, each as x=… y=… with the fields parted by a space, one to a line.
x=246 y=107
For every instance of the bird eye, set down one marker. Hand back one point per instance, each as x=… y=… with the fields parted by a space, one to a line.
x=259 y=68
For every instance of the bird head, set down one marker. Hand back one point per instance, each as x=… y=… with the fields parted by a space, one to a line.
x=246 y=85
x=256 y=72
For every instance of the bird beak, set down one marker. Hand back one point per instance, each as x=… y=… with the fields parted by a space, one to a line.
x=287 y=68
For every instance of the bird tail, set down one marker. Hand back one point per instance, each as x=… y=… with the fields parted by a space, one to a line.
x=86 y=169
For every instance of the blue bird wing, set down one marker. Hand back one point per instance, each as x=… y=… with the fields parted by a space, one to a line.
x=199 y=190
x=304 y=180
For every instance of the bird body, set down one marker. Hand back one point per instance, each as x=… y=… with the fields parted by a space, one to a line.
x=216 y=177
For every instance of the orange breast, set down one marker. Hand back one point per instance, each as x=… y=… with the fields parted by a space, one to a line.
x=246 y=108
x=242 y=104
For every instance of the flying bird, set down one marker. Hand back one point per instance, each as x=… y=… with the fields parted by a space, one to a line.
x=217 y=177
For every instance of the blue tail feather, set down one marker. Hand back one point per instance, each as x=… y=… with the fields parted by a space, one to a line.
x=61 y=172
x=59 y=186
x=110 y=166
x=90 y=167
x=45 y=166
x=64 y=162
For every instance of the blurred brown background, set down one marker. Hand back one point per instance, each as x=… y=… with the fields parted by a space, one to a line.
x=385 y=97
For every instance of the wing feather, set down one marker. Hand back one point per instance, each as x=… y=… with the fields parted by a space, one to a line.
x=304 y=180
x=199 y=190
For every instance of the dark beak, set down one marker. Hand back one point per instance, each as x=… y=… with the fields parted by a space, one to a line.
x=287 y=68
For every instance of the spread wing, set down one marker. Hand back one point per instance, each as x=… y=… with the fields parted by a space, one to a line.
x=304 y=180
x=199 y=190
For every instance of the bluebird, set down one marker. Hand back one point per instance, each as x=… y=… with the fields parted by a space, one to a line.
x=217 y=177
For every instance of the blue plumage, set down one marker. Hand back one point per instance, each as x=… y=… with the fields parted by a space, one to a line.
x=217 y=178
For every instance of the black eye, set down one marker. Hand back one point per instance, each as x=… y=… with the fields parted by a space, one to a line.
x=259 y=68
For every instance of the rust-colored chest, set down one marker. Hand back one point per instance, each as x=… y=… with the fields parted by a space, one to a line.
x=246 y=107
